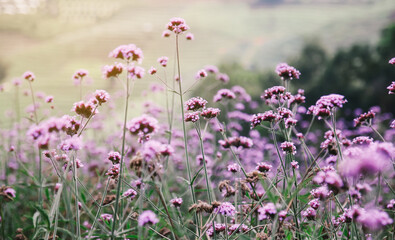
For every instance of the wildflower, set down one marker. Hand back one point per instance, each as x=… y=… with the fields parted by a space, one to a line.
x=276 y=94
x=166 y=33
x=147 y=217
x=299 y=98
x=191 y=117
x=114 y=157
x=364 y=118
x=210 y=113
x=113 y=172
x=392 y=61
x=287 y=72
x=222 y=77
x=392 y=125
x=105 y=217
x=241 y=141
x=49 y=99
x=362 y=140
x=195 y=103
x=190 y=36
x=8 y=193
x=374 y=219
x=326 y=104
x=224 y=94
x=84 y=109
x=391 y=204
x=211 y=69
x=391 y=88
x=233 y=168
x=226 y=189
x=226 y=209
x=136 y=72
x=295 y=164
x=152 y=71
x=130 y=193
x=29 y=76
x=268 y=210
x=321 y=192
x=290 y=122
x=234 y=227
x=112 y=70
x=57 y=186
x=177 y=25
x=309 y=213
x=331 y=178
x=144 y=125
x=101 y=96
x=288 y=147
x=128 y=52
x=358 y=160
x=176 y=202
x=69 y=164
x=79 y=75
x=201 y=74
x=263 y=167
x=315 y=203
x=268 y=116
x=16 y=82
x=219 y=227
x=72 y=143
x=163 y=61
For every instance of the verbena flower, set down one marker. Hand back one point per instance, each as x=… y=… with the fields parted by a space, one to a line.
x=144 y=125
x=391 y=88
x=241 y=141
x=374 y=219
x=152 y=71
x=191 y=117
x=114 y=157
x=364 y=118
x=287 y=72
x=392 y=61
x=163 y=61
x=29 y=76
x=147 y=217
x=177 y=25
x=112 y=70
x=326 y=104
x=128 y=52
x=130 y=193
x=176 y=202
x=288 y=147
x=226 y=209
x=267 y=211
x=209 y=113
x=190 y=36
x=201 y=74
x=195 y=103
x=113 y=172
x=263 y=167
x=224 y=94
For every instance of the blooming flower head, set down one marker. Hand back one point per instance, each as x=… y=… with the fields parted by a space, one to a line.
x=364 y=118
x=222 y=77
x=288 y=147
x=176 y=202
x=326 y=104
x=191 y=117
x=112 y=70
x=105 y=217
x=16 y=82
x=102 y=96
x=210 y=113
x=113 y=172
x=7 y=193
x=315 y=203
x=287 y=72
x=84 y=109
x=392 y=61
x=163 y=61
x=29 y=76
x=310 y=213
x=295 y=164
x=136 y=72
x=130 y=193
x=177 y=25
x=224 y=94
x=201 y=74
x=374 y=219
x=72 y=143
x=143 y=125
x=362 y=140
x=392 y=125
x=226 y=209
x=147 y=217
x=129 y=52
x=391 y=88
x=79 y=75
x=263 y=167
x=190 y=36
x=268 y=210
x=152 y=71
x=114 y=157
x=166 y=33
x=195 y=103
x=268 y=116
x=211 y=69
x=243 y=142
x=233 y=168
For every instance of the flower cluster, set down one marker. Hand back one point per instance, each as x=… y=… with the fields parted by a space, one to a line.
x=288 y=147
x=287 y=72
x=326 y=104
x=195 y=103
x=243 y=142
x=129 y=52
x=224 y=94
x=177 y=25
x=364 y=118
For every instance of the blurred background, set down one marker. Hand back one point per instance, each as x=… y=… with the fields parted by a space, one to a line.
x=340 y=46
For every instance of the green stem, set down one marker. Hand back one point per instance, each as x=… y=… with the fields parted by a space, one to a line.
x=99 y=210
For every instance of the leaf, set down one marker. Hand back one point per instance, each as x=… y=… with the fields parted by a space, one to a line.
x=196 y=175
x=35 y=218
x=44 y=216
x=187 y=182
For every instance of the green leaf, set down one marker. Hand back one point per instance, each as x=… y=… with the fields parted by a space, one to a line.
x=196 y=175
x=35 y=218
x=44 y=216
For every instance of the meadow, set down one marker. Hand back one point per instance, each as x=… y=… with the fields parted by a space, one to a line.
x=102 y=138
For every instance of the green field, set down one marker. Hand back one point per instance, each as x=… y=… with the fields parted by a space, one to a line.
x=54 y=46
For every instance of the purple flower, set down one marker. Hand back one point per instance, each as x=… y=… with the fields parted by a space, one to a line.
x=233 y=168
x=392 y=61
x=176 y=202
x=362 y=140
x=130 y=193
x=112 y=70
x=391 y=88
x=195 y=103
x=309 y=213
x=114 y=157
x=268 y=210
x=224 y=94
x=128 y=52
x=201 y=74
x=267 y=116
x=374 y=219
x=191 y=117
x=287 y=72
x=222 y=77
x=10 y=192
x=72 y=143
x=136 y=72
x=190 y=36
x=113 y=172
x=288 y=147
x=326 y=104
x=315 y=203
x=241 y=141
x=105 y=217
x=263 y=167
x=29 y=76
x=226 y=209
x=177 y=25
x=147 y=217
x=295 y=165
x=144 y=125
x=210 y=113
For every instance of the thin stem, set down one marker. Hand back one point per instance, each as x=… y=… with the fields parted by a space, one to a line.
x=122 y=159
x=99 y=210
x=77 y=209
